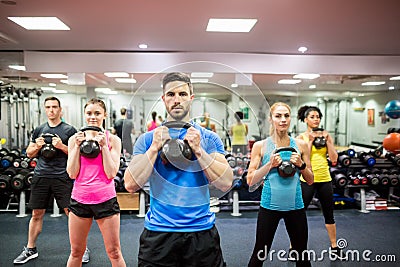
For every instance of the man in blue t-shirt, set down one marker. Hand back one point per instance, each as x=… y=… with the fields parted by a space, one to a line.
x=179 y=226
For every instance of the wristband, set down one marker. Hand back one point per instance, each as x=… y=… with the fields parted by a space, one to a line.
x=303 y=166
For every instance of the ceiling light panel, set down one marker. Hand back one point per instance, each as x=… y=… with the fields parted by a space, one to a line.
x=289 y=81
x=125 y=80
x=230 y=25
x=201 y=74
x=17 y=67
x=115 y=74
x=40 y=23
x=307 y=76
x=54 y=76
x=395 y=78
x=372 y=83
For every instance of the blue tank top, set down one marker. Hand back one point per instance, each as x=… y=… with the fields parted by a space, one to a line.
x=278 y=193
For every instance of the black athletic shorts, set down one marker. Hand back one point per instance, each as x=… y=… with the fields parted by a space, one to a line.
x=96 y=211
x=43 y=188
x=175 y=249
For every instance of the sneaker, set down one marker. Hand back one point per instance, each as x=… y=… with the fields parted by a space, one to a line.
x=26 y=255
x=86 y=256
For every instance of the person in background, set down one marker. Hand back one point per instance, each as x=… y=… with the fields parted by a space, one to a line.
x=281 y=196
x=151 y=125
x=50 y=176
x=239 y=132
x=123 y=128
x=179 y=231
x=160 y=119
x=94 y=195
x=207 y=123
x=322 y=185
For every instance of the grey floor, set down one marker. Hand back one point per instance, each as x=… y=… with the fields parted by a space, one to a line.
x=378 y=231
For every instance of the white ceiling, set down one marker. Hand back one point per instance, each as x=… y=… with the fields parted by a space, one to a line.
x=349 y=42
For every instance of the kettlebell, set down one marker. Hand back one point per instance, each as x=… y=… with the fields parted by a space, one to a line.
x=176 y=150
x=90 y=148
x=286 y=168
x=320 y=141
x=48 y=151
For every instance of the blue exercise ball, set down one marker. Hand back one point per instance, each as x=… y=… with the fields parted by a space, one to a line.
x=392 y=109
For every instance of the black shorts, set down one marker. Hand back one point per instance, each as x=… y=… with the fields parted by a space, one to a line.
x=43 y=188
x=180 y=249
x=96 y=211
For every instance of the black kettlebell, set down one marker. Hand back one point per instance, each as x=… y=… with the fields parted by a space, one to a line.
x=286 y=168
x=320 y=141
x=48 y=151
x=90 y=148
x=176 y=150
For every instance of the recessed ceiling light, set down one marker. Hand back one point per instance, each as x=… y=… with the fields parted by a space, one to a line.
x=199 y=80
x=372 y=83
x=46 y=88
x=395 y=78
x=201 y=74
x=312 y=86
x=52 y=84
x=54 y=76
x=40 y=23
x=391 y=87
x=64 y=81
x=308 y=76
x=234 y=85
x=115 y=74
x=60 y=91
x=230 y=25
x=302 y=49
x=17 y=67
x=289 y=81
x=143 y=46
x=125 y=80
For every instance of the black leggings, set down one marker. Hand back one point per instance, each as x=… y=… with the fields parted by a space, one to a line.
x=324 y=192
x=267 y=223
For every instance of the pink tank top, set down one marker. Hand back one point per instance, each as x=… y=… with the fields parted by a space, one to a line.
x=152 y=126
x=92 y=185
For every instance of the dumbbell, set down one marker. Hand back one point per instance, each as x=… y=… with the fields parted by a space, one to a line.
x=48 y=151
x=366 y=158
x=90 y=148
x=7 y=160
x=395 y=159
x=238 y=171
x=3 y=152
x=231 y=160
x=354 y=179
x=239 y=162
x=286 y=168
x=119 y=181
x=338 y=177
x=372 y=177
x=28 y=179
x=344 y=157
x=377 y=152
x=175 y=150
x=319 y=141
x=393 y=130
x=383 y=179
x=18 y=181
x=5 y=182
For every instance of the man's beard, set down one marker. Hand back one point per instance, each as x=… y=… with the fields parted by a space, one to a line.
x=180 y=116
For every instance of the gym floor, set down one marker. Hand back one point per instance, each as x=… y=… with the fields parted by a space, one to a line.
x=377 y=231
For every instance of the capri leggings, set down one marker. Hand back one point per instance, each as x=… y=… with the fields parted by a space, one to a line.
x=267 y=223
x=324 y=193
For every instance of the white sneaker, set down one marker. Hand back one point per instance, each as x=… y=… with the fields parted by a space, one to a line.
x=86 y=256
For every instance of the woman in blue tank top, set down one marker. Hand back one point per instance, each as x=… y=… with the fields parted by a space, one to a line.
x=281 y=196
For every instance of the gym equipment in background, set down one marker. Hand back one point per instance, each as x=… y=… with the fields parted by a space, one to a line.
x=392 y=109
x=392 y=142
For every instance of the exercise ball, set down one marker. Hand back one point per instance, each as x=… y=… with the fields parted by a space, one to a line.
x=392 y=142
x=392 y=109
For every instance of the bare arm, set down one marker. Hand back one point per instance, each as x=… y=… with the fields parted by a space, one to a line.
x=332 y=153
x=33 y=149
x=73 y=162
x=111 y=156
x=305 y=157
x=142 y=165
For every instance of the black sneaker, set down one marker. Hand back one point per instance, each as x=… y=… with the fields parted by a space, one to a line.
x=26 y=255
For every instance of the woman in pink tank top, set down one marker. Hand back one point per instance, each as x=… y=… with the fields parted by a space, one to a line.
x=94 y=195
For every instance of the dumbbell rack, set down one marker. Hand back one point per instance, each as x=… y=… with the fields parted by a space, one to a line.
x=357 y=165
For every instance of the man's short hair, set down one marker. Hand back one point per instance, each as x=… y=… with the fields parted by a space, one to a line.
x=177 y=76
x=123 y=111
x=49 y=98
